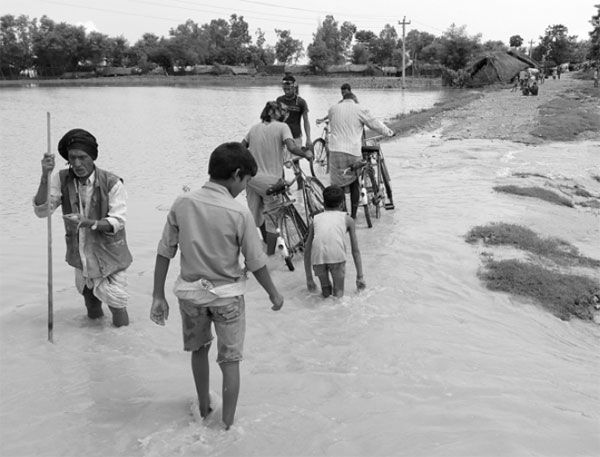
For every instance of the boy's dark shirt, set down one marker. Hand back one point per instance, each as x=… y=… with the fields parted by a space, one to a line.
x=297 y=106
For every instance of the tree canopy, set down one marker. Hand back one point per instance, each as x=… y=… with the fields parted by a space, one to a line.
x=53 y=48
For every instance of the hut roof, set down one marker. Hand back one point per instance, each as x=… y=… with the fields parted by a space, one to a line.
x=523 y=58
x=347 y=68
x=497 y=67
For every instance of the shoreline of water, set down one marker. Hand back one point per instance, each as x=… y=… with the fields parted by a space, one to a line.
x=362 y=82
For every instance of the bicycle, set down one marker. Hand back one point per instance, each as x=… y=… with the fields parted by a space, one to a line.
x=319 y=166
x=292 y=228
x=373 y=181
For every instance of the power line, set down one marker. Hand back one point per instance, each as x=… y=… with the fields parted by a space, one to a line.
x=162 y=18
x=294 y=18
x=278 y=20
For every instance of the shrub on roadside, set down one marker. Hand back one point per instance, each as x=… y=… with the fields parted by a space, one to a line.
x=562 y=294
x=565 y=295
x=535 y=192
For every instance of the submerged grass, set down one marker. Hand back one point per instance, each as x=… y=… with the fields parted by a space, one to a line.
x=535 y=192
x=555 y=249
x=562 y=294
x=565 y=295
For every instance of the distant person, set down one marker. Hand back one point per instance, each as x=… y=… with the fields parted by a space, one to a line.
x=347 y=121
x=345 y=89
x=558 y=71
x=523 y=76
x=515 y=86
x=267 y=141
x=297 y=109
x=94 y=207
x=212 y=230
x=325 y=247
x=595 y=77
x=533 y=90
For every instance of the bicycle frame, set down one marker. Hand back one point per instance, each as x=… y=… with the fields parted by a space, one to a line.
x=380 y=168
x=312 y=190
x=292 y=228
x=373 y=182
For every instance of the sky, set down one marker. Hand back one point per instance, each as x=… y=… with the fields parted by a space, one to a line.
x=498 y=20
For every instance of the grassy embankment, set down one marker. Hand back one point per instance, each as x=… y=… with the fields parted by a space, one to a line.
x=542 y=277
x=569 y=116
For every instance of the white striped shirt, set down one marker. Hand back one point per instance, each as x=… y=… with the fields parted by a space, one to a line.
x=346 y=121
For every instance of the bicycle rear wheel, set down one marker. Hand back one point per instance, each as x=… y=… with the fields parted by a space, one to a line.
x=373 y=198
x=319 y=166
x=386 y=181
x=293 y=230
x=313 y=197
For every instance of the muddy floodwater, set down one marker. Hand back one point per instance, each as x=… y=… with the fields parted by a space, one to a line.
x=425 y=362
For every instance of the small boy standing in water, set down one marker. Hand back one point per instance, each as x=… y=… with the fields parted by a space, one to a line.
x=211 y=230
x=325 y=247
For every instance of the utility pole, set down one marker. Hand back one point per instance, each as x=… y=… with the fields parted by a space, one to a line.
x=403 y=23
x=530 y=47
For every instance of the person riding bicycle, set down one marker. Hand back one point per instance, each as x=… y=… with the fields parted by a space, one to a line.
x=267 y=141
x=325 y=248
x=347 y=121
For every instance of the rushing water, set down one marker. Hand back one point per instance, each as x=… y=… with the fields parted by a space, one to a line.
x=425 y=362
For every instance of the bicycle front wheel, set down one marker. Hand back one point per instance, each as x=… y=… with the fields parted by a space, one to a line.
x=373 y=197
x=319 y=166
x=385 y=177
x=293 y=231
x=313 y=197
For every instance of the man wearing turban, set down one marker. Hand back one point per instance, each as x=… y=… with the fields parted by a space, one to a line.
x=94 y=206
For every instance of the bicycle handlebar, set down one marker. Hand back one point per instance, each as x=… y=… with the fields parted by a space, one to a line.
x=353 y=168
x=375 y=138
x=278 y=187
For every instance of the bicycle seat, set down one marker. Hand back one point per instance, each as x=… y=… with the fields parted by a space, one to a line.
x=278 y=188
x=370 y=149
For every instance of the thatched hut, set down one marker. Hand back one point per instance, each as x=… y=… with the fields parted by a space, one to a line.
x=497 y=67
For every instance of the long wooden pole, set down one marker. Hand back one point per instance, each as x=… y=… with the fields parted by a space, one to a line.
x=48 y=202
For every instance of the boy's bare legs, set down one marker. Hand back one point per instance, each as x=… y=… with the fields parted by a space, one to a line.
x=326 y=288
x=231 y=390
x=201 y=372
x=338 y=282
x=354 y=198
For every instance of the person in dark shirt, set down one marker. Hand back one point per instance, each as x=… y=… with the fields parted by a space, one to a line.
x=297 y=110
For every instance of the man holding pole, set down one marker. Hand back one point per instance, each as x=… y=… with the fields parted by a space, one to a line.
x=94 y=206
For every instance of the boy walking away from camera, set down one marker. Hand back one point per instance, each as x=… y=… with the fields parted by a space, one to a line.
x=212 y=230
x=325 y=248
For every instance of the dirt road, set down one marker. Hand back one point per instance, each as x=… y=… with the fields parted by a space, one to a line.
x=504 y=114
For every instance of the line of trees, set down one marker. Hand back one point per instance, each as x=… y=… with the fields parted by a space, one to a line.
x=53 y=48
